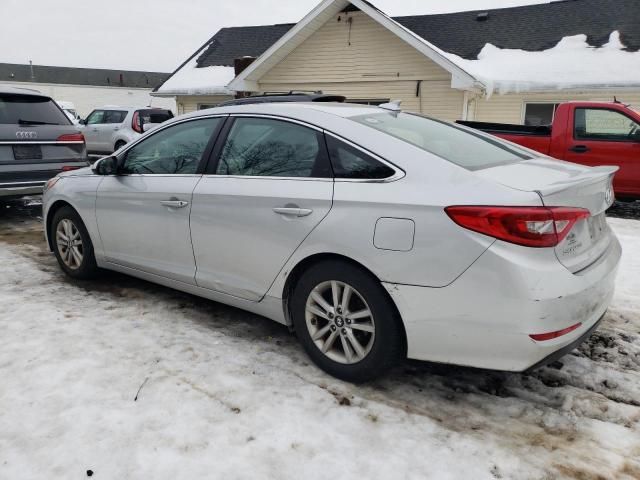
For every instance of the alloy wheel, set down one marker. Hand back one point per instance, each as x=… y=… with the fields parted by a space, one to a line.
x=69 y=242
x=340 y=322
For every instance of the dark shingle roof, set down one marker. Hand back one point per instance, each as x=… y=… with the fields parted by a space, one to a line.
x=12 y=72
x=533 y=28
x=235 y=42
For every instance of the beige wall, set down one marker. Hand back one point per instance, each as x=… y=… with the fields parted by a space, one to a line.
x=364 y=60
x=186 y=104
x=509 y=108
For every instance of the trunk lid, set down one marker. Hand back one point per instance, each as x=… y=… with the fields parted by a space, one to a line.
x=564 y=184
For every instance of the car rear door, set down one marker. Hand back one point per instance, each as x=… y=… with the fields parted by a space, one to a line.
x=604 y=136
x=143 y=212
x=109 y=128
x=269 y=186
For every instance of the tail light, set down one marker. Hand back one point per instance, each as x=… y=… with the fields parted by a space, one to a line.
x=71 y=137
x=68 y=168
x=529 y=226
x=135 y=122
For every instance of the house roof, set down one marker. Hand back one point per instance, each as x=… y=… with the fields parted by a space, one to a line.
x=12 y=72
x=532 y=28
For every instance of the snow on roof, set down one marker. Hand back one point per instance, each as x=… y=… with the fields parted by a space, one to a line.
x=571 y=64
x=193 y=80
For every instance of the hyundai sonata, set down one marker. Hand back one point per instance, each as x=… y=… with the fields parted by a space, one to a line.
x=374 y=234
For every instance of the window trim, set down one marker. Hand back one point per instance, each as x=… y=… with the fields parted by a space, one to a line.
x=204 y=159
x=590 y=139
x=212 y=165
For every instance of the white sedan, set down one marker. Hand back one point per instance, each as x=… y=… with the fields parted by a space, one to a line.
x=375 y=234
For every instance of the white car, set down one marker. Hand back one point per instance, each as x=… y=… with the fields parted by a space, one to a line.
x=373 y=233
x=109 y=128
x=70 y=111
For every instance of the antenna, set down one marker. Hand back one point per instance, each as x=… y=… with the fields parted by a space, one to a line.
x=393 y=106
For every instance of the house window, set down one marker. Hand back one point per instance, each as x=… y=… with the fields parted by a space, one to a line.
x=368 y=101
x=536 y=114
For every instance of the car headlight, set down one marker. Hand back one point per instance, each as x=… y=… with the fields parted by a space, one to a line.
x=50 y=183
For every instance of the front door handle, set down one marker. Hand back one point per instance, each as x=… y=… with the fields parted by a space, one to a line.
x=579 y=148
x=174 y=203
x=293 y=211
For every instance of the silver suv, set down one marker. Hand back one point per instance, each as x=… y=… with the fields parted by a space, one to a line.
x=37 y=141
x=109 y=128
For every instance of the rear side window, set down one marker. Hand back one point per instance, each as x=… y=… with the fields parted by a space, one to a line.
x=461 y=146
x=30 y=110
x=349 y=162
x=114 y=116
x=272 y=148
x=155 y=116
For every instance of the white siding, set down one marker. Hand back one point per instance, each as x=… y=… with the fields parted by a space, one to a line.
x=190 y=103
x=509 y=108
x=86 y=98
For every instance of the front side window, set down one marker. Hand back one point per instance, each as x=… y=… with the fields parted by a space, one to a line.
x=174 y=150
x=349 y=162
x=604 y=124
x=273 y=148
x=537 y=114
x=97 y=116
x=114 y=116
x=463 y=147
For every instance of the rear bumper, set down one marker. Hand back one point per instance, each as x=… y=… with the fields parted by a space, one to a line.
x=485 y=317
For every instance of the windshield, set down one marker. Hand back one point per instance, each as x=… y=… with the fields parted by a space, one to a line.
x=468 y=149
x=30 y=110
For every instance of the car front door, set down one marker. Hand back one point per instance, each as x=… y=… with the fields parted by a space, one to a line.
x=603 y=136
x=269 y=188
x=143 y=212
x=91 y=130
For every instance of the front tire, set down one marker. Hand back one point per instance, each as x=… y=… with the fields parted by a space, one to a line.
x=346 y=321
x=72 y=245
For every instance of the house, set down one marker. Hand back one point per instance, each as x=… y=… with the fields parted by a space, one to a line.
x=504 y=65
x=88 y=88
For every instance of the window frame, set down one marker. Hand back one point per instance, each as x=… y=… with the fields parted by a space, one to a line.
x=212 y=164
x=591 y=139
x=542 y=102
x=205 y=159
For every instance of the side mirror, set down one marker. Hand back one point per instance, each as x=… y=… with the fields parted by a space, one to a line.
x=82 y=121
x=106 y=166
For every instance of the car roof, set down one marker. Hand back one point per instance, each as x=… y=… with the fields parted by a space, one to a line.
x=21 y=91
x=293 y=109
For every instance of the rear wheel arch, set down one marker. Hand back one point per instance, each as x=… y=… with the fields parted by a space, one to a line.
x=306 y=263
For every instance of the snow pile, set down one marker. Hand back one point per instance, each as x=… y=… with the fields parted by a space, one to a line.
x=133 y=381
x=572 y=63
x=194 y=80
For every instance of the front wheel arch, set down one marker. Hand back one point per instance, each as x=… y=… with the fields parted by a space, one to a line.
x=306 y=263
x=57 y=205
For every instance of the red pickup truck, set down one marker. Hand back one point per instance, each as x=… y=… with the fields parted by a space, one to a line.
x=589 y=133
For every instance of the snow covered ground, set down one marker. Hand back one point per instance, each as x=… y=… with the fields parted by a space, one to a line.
x=226 y=394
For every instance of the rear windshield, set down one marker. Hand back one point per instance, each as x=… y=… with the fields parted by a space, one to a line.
x=458 y=145
x=30 y=110
x=155 y=116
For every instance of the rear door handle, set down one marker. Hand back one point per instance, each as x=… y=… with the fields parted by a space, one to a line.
x=174 y=203
x=293 y=211
x=579 y=148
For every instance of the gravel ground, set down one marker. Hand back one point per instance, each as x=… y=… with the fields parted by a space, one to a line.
x=132 y=380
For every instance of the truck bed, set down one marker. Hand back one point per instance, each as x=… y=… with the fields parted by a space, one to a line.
x=534 y=137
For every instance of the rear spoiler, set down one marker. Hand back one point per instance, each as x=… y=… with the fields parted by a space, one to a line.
x=593 y=175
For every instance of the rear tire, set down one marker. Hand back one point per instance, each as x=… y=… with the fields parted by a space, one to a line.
x=72 y=245
x=355 y=336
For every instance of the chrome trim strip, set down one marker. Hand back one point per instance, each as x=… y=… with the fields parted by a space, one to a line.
x=261 y=177
x=33 y=182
